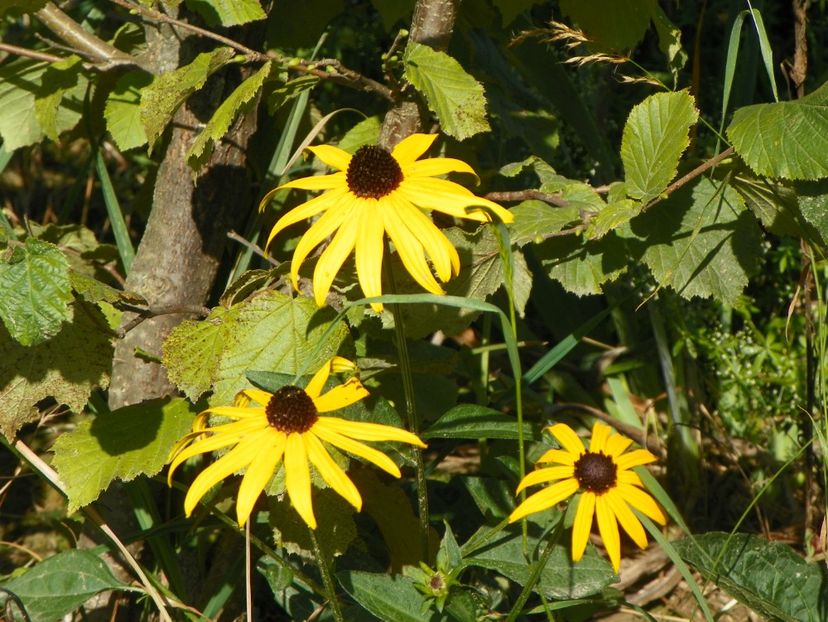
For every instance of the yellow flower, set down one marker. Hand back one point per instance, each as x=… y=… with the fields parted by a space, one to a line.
x=286 y=427
x=373 y=192
x=609 y=488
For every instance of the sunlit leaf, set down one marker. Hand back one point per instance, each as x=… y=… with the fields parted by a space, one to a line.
x=123 y=112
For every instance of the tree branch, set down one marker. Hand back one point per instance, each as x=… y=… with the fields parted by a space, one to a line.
x=522 y=195
x=682 y=181
x=18 y=51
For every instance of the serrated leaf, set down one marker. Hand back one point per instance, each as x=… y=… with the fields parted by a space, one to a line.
x=161 y=99
x=237 y=103
x=67 y=367
x=366 y=132
x=61 y=583
x=536 y=219
x=123 y=110
x=560 y=579
x=289 y=91
x=271 y=332
x=611 y=217
x=34 y=279
x=784 y=139
x=452 y=94
x=128 y=442
x=227 y=12
x=387 y=597
x=702 y=241
x=583 y=267
x=474 y=421
x=611 y=25
x=60 y=79
x=92 y=290
x=768 y=577
x=773 y=204
x=812 y=200
x=656 y=134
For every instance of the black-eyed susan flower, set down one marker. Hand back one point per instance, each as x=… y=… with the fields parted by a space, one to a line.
x=609 y=488
x=375 y=191
x=286 y=427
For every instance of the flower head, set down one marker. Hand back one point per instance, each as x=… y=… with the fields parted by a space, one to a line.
x=609 y=488
x=286 y=427
x=375 y=191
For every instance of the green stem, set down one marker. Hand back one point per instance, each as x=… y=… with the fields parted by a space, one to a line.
x=327 y=579
x=537 y=569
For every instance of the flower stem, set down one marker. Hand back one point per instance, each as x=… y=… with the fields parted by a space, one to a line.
x=537 y=569
x=327 y=579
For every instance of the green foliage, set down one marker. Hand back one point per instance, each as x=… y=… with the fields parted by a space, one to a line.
x=473 y=421
x=613 y=25
x=123 y=444
x=583 y=268
x=123 y=110
x=536 y=219
x=452 y=94
x=387 y=597
x=656 y=134
x=767 y=576
x=786 y=139
x=227 y=12
x=60 y=584
x=61 y=79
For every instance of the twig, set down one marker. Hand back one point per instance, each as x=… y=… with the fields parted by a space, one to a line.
x=253 y=247
x=682 y=181
x=522 y=195
x=148 y=312
x=799 y=69
x=18 y=51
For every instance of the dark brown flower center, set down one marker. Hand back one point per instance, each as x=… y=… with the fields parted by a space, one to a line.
x=595 y=472
x=291 y=410
x=373 y=173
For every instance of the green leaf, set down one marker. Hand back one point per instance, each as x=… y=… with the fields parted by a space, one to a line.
x=366 y=132
x=227 y=12
x=611 y=25
x=387 y=597
x=60 y=584
x=812 y=198
x=473 y=421
x=560 y=579
x=452 y=94
x=21 y=6
x=702 y=241
x=34 y=279
x=123 y=110
x=161 y=99
x=271 y=332
x=768 y=577
x=611 y=217
x=237 y=103
x=535 y=219
x=123 y=444
x=583 y=267
x=656 y=134
x=775 y=205
x=61 y=79
x=289 y=91
x=785 y=139
x=92 y=290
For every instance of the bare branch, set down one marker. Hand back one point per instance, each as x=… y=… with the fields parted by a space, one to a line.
x=148 y=312
x=522 y=195
x=18 y=51
x=683 y=181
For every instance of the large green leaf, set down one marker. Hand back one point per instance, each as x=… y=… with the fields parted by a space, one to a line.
x=474 y=421
x=583 y=267
x=536 y=219
x=387 y=597
x=131 y=441
x=702 y=241
x=768 y=577
x=161 y=99
x=66 y=367
x=785 y=139
x=238 y=101
x=227 y=12
x=123 y=110
x=611 y=25
x=60 y=584
x=656 y=134
x=22 y=6
x=34 y=279
x=452 y=94
x=62 y=81
x=271 y=332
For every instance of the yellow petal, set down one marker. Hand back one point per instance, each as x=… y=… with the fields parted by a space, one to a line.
x=582 y=525
x=635 y=458
x=436 y=244
x=332 y=259
x=630 y=477
x=331 y=472
x=370 y=248
x=545 y=499
x=408 y=246
x=332 y=156
x=412 y=147
x=317 y=182
x=566 y=436
x=341 y=396
x=235 y=412
x=549 y=474
x=617 y=444
x=356 y=448
x=318 y=232
x=365 y=431
x=258 y=396
x=600 y=434
x=304 y=211
x=558 y=456
x=437 y=166
x=317 y=383
x=642 y=502
x=450 y=198
x=628 y=520
x=297 y=478
x=608 y=527
x=224 y=467
x=258 y=474
x=339 y=364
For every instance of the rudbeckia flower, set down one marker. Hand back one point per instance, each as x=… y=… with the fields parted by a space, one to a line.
x=375 y=191
x=609 y=488
x=286 y=427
